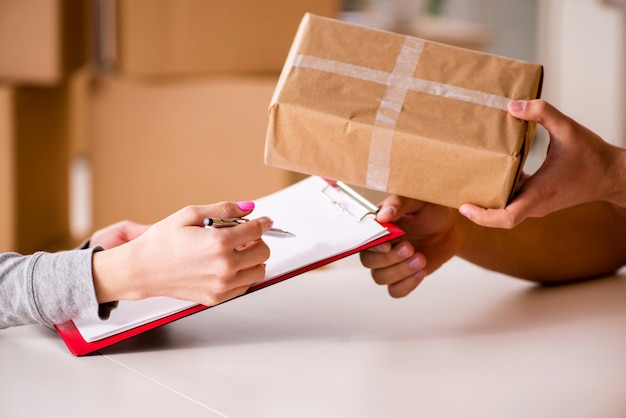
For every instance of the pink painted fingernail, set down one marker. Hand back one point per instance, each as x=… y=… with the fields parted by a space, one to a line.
x=245 y=205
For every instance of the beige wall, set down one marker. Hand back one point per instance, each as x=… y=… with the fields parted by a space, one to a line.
x=582 y=47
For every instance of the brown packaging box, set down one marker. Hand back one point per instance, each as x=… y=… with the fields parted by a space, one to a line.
x=156 y=147
x=153 y=38
x=42 y=41
x=33 y=169
x=400 y=114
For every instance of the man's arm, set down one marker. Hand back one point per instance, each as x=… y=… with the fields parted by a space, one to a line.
x=572 y=244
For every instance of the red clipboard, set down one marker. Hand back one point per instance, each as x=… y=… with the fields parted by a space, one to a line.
x=79 y=347
x=336 y=195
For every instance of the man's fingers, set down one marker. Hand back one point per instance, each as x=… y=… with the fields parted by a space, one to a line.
x=376 y=260
x=404 y=287
x=394 y=207
x=491 y=218
x=542 y=112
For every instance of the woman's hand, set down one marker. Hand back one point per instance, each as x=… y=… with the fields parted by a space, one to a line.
x=179 y=258
x=117 y=234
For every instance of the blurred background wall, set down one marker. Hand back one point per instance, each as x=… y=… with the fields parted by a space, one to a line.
x=131 y=109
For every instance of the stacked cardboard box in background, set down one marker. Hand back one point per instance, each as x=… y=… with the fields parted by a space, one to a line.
x=42 y=42
x=35 y=154
x=156 y=147
x=165 y=99
x=165 y=38
x=178 y=113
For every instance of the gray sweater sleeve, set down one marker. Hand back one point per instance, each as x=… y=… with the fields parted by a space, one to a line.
x=46 y=288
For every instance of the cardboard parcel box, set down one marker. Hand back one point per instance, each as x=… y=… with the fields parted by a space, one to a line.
x=42 y=42
x=400 y=114
x=159 y=38
x=34 y=187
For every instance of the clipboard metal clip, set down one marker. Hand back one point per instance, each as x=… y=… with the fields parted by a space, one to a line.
x=348 y=200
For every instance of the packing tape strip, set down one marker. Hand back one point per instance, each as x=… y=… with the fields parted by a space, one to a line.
x=415 y=84
x=398 y=83
x=388 y=112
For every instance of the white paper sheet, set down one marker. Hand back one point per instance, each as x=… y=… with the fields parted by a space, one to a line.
x=321 y=231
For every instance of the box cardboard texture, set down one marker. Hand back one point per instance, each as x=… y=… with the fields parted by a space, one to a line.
x=157 y=38
x=42 y=41
x=400 y=114
x=34 y=191
x=156 y=147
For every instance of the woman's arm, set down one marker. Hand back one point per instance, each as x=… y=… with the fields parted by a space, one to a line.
x=176 y=257
x=46 y=288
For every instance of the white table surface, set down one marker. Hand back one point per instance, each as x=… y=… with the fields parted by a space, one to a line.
x=331 y=343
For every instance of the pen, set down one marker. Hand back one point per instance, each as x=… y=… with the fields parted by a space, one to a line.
x=228 y=222
x=223 y=222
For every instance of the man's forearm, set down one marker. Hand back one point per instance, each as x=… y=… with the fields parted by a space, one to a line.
x=572 y=244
